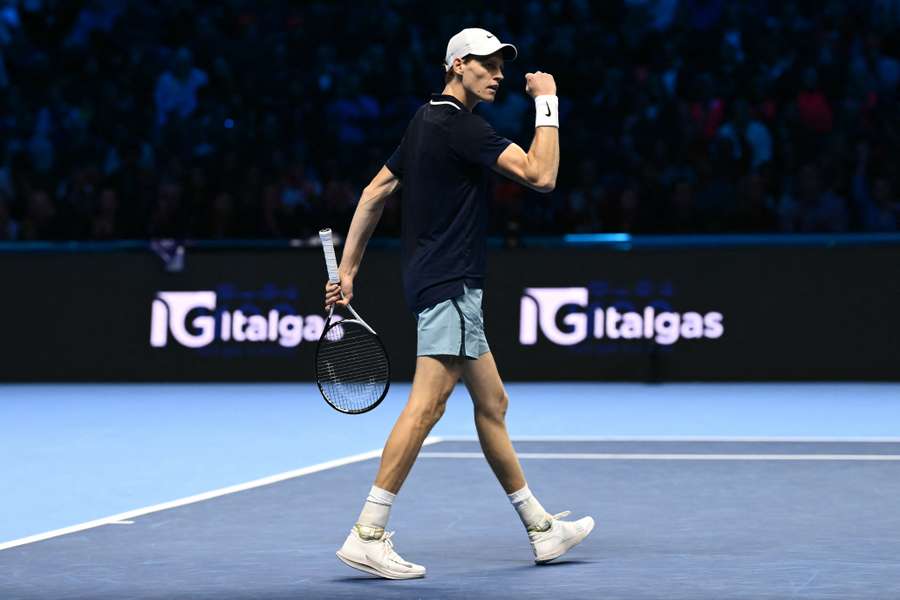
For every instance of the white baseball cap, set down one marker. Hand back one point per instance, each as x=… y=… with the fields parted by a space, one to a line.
x=479 y=42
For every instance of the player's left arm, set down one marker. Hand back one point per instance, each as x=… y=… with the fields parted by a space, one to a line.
x=365 y=218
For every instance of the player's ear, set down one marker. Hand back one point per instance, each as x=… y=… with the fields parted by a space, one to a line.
x=458 y=66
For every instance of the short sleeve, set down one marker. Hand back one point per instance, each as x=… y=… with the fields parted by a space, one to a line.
x=474 y=140
x=397 y=160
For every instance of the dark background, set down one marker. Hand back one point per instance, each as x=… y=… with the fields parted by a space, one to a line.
x=136 y=119
x=790 y=313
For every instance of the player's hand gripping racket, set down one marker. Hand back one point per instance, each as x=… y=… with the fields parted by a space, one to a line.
x=352 y=368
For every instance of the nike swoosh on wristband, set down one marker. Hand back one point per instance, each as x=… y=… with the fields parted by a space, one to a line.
x=548 y=108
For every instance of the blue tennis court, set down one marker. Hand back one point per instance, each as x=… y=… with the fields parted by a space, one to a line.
x=248 y=250
x=246 y=491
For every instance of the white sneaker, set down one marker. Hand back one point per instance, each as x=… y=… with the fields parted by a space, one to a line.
x=377 y=557
x=559 y=538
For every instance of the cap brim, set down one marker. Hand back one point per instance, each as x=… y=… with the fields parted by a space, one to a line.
x=509 y=51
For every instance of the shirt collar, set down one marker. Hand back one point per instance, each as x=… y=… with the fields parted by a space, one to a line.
x=435 y=98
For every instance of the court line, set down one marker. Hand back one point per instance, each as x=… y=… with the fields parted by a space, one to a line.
x=231 y=489
x=683 y=438
x=644 y=456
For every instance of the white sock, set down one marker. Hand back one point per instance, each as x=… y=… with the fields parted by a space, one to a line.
x=533 y=515
x=374 y=516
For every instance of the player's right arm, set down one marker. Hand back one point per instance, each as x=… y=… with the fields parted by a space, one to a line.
x=538 y=167
x=365 y=218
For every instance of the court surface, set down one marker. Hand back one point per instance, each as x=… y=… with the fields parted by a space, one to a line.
x=764 y=509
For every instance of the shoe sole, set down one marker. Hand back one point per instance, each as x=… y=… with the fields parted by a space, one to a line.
x=547 y=558
x=373 y=571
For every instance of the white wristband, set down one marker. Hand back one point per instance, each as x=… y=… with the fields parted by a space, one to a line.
x=546 y=111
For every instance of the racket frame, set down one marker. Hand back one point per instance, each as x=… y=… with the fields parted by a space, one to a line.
x=334 y=277
x=387 y=386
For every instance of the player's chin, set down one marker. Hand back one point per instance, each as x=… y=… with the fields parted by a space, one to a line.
x=489 y=95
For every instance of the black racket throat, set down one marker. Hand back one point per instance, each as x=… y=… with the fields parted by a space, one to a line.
x=334 y=321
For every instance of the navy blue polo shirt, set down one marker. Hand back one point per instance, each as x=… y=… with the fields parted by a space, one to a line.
x=444 y=163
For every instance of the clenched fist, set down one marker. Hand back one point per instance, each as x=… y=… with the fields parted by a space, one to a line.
x=540 y=84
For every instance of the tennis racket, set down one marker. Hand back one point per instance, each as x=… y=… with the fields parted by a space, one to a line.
x=352 y=367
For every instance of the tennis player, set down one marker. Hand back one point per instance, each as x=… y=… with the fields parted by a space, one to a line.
x=442 y=167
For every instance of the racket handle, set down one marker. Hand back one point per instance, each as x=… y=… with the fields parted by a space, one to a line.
x=330 y=260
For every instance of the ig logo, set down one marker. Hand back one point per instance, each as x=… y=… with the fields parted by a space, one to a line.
x=169 y=313
x=540 y=305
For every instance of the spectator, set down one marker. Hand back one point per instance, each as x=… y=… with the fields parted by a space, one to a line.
x=339 y=199
x=708 y=110
x=747 y=135
x=716 y=189
x=40 y=221
x=683 y=216
x=588 y=205
x=9 y=229
x=271 y=224
x=878 y=209
x=814 y=209
x=176 y=88
x=755 y=211
x=222 y=222
x=104 y=225
x=9 y=24
x=630 y=209
x=167 y=217
x=812 y=105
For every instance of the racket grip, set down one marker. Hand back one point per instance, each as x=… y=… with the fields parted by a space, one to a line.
x=331 y=264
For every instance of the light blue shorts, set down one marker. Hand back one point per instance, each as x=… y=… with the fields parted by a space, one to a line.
x=453 y=327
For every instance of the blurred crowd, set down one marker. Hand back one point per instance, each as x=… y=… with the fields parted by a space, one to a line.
x=232 y=118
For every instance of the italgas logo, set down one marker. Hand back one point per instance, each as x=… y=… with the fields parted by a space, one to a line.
x=193 y=321
x=540 y=308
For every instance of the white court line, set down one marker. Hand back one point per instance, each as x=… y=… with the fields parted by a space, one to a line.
x=232 y=489
x=623 y=456
x=683 y=438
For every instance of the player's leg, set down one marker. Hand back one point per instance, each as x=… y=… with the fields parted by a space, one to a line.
x=434 y=380
x=367 y=547
x=550 y=537
x=490 y=403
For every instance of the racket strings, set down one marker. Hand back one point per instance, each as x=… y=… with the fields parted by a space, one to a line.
x=352 y=367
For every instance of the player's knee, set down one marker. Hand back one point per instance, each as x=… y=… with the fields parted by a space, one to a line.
x=439 y=409
x=427 y=414
x=434 y=413
x=493 y=408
